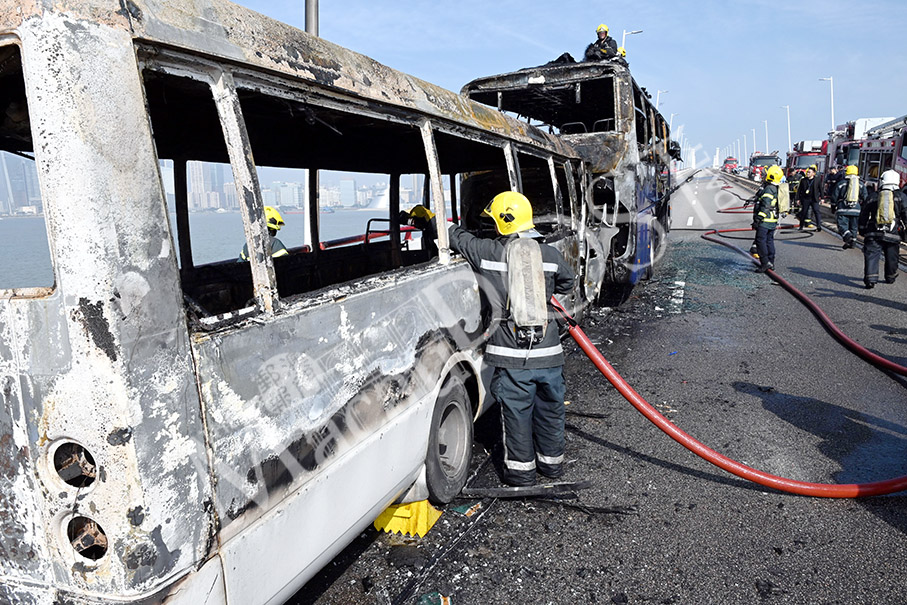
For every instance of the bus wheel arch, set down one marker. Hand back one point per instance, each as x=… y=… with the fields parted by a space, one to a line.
x=450 y=438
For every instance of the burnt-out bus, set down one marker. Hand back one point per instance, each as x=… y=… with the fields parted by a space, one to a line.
x=625 y=145
x=178 y=426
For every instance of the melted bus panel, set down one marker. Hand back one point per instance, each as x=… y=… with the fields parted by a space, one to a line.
x=106 y=435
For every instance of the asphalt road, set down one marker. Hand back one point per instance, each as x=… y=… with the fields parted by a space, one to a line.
x=737 y=362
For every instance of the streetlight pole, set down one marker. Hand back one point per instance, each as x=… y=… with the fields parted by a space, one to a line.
x=744 y=150
x=766 y=135
x=658 y=98
x=623 y=40
x=311 y=17
x=790 y=147
x=831 y=81
x=754 y=139
x=671 y=121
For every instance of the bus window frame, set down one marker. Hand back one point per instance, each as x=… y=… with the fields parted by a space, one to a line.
x=437 y=189
x=32 y=292
x=223 y=92
x=320 y=97
x=549 y=159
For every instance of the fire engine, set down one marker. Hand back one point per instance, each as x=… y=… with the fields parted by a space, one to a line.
x=884 y=149
x=844 y=141
x=759 y=163
x=804 y=155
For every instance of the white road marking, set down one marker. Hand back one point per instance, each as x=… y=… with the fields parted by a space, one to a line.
x=690 y=222
x=677 y=297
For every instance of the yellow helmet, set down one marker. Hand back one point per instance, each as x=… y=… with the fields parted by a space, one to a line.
x=774 y=174
x=851 y=171
x=419 y=211
x=511 y=212
x=601 y=28
x=273 y=218
x=813 y=167
x=622 y=51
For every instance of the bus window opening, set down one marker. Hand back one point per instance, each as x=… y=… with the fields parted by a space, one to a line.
x=23 y=233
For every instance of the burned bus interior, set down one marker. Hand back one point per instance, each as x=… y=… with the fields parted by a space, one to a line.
x=569 y=105
x=290 y=128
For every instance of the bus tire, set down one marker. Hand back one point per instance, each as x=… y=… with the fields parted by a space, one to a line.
x=449 y=442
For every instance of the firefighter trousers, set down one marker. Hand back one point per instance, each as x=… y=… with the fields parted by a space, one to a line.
x=532 y=415
x=875 y=248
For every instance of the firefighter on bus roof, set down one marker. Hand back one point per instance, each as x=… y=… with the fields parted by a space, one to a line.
x=849 y=194
x=605 y=47
x=524 y=347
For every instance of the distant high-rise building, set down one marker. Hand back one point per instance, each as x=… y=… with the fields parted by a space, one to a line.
x=231 y=201
x=348 y=192
x=206 y=182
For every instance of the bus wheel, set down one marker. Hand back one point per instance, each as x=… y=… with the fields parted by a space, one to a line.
x=449 y=443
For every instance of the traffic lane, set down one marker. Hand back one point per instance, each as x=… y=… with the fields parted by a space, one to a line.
x=702 y=341
x=694 y=204
x=815 y=263
x=753 y=392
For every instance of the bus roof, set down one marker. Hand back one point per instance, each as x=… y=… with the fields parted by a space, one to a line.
x=226 y=31
x=553 y=94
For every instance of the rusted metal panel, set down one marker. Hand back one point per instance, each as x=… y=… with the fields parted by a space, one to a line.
x=437 y=188
x=12 y=12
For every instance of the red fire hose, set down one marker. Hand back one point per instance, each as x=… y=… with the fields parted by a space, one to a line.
x=823 y=490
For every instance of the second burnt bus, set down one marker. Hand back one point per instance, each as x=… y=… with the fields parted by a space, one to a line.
x=625 y=143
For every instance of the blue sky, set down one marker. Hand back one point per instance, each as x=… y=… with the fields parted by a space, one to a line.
x=727 y=66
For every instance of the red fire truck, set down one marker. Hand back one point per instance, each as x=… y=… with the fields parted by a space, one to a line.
x=884 y=148
x=804 y=155
x=759 y=163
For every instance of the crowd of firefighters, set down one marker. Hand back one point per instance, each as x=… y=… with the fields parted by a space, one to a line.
x=879 y=215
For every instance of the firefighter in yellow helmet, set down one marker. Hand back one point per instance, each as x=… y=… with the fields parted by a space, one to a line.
x=849 y=195
x=605 y=47
x=275 y=222
x=765 y=218
x=518 y=274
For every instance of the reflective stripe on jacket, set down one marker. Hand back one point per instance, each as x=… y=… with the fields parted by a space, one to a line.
x=766 y=211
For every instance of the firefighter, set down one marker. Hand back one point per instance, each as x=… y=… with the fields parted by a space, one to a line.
x=603 y=48
x=528 y=360
x=275 y=222
x=765 y=218
x=849 y=194
x=881 y=222
x=622 y=56
x=808 y=194
x=831 y=181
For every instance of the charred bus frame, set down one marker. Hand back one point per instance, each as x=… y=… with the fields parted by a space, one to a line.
x=601 y=111
x=175 y=431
